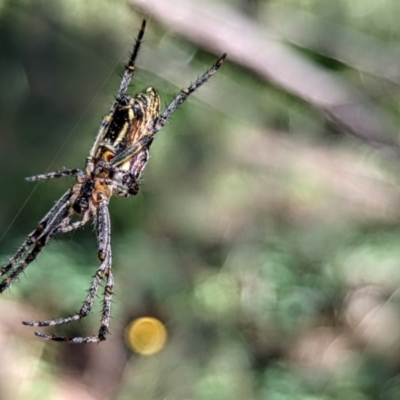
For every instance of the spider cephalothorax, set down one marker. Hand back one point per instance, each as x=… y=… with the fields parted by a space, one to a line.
x=113 y=167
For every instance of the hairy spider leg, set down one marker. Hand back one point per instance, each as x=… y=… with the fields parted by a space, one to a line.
x=33 y=236
x=185 y=93
x=103 y=231
x=130 y=67
x=60 y=213
x=105 y=320
x=125 y=155
x=126 y=79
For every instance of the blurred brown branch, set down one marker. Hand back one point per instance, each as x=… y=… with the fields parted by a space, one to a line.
x=359 y=51
x=220 y=28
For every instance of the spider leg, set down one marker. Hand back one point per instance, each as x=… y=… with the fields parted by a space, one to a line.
x=56 y=174
x=105 y=320
x=130 y=67
x=34 y=235
x=20 y=252
x=102 y=223
x=60 y=213
x=87 y=304
x=126 y=79
x=185 y=93
x=142 y=144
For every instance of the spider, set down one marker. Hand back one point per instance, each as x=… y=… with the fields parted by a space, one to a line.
x=113 y=167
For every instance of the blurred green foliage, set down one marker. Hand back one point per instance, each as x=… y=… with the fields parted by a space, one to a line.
x=265 y=238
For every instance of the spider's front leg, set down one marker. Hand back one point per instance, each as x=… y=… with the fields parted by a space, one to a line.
x=102 y=223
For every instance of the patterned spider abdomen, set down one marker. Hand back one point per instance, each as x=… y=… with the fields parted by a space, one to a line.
x=134 y=118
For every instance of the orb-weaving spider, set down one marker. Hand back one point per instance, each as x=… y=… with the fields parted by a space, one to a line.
x=113 y=167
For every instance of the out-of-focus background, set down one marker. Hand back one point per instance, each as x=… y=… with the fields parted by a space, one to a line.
x=265 y=240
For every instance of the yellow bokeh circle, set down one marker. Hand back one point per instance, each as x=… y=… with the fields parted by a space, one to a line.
x=146 y=335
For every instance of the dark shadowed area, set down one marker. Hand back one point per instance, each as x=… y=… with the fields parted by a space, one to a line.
x=261 y=258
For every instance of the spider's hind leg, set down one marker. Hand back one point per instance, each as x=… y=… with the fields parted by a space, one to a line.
x=125 y=81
